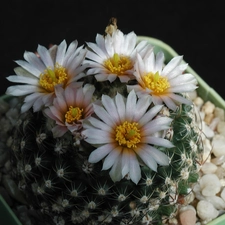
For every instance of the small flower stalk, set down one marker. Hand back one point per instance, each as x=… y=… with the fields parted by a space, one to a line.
x=106 y=132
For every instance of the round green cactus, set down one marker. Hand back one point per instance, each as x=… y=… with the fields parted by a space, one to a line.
x=60 y=183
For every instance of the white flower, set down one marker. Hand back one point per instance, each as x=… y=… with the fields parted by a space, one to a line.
x=165 y=83
x=114 y=56
x=70 y=107
x=41 y=72
x=124 y=132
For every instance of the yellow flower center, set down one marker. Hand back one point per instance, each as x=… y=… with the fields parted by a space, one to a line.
x=73 y=114
x=51 y=77
x=128 y=134
x=156 y=83
x=118 y=64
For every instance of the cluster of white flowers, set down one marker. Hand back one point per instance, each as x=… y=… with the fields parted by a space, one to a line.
x=123 y=129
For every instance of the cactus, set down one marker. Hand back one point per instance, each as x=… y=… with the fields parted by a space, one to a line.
x=55 y=164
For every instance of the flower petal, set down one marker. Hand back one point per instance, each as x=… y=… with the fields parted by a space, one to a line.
x=160 y=157
x=96 y=136
x=111 y=158
x=115 y=172
x=100 y=153
x=134 y=170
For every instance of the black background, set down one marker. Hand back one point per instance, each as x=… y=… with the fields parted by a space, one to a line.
x=194 y=29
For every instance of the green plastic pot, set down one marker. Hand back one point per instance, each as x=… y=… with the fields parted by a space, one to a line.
x=7 y=217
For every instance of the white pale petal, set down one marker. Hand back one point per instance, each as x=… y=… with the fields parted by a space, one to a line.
x=111 y=158
x=131 y=105
x=160 y=157
x=157 y=141
x=56 y=114
x=96 y=136
x=100 y=153
x=52 y=52
x=140 y=68
x=146 y=50
x=182 y=79
x=30 y=100
x=113 y=43
x=47 y=112
x=142 y=105
x=169 y=102
x=125 y=162
x=20 y=71
x=69 y=94
x=137 y=88
x=99 y=124
x=183 y=88
x=110 y=107
x=147 y=158
x=115 y=172
x=181 y=99
x=104 y=115
x=159 y=61
x=34 y=60
x=95 y=58
x=142 y=45
x=150 y=63
x=45 y=56
x=177 y=71
x=101 y=55
x=129 y=43
x=59 y=131
x=158 y=124
x=157 y=100
x=111 y=77
x=21 y=79
x=30 y=68
x=19 y=90
x=76 y=77
x=101 y=77
x=88 y=93
x=124 y=78
x=33 y=97
x=59 y=91
x=26 y=106
x=61 y=52
x=149 y=115
x=79 y=96
x=95 y=67
x=173 y=63
x=75 y=68
x=70 y=51
x=120 y=105
x=100 y=41
x=38 y=104
x=48 y=98
x=134 y=170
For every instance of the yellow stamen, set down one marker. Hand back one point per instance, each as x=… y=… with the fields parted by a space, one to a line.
x=156 y=83
x=73 y=114
x=128 y=134
x=118 y=64
x=51 y=77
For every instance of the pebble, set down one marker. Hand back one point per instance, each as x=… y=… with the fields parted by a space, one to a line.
x=218 y=145
x=187 y=215
x=206 y=211
x=210 y=184
x=209 y=191
x=209 y=168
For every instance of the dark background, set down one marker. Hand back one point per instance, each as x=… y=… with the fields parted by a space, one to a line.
x=194 y=29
